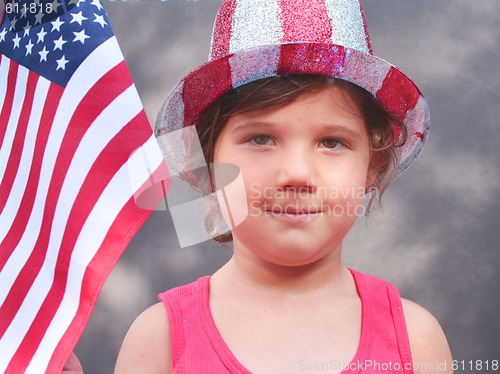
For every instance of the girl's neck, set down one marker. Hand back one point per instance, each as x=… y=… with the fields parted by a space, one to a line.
x=247 y=272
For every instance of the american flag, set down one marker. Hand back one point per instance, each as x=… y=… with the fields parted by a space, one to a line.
x=70 y=122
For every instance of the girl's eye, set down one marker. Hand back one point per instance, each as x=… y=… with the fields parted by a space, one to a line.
x=261 y=139
x=331 y=143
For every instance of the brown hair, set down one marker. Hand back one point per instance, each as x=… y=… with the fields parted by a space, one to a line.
x=385 y=131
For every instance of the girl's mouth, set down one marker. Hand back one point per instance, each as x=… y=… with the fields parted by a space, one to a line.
x=293 y=214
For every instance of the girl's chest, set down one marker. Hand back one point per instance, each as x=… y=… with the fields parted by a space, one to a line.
x=291 y=340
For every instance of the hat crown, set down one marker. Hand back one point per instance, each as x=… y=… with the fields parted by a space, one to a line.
x=246 y=24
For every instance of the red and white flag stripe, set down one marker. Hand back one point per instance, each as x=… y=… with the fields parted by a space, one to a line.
x=66 y=200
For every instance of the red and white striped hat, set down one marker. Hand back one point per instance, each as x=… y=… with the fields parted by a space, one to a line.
x=255 y=39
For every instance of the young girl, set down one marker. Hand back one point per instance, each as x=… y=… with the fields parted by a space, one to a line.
x=294 y=97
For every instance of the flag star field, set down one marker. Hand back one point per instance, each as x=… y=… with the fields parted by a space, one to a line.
x=43 y=29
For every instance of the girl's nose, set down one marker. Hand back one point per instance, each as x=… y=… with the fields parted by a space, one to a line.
x=296 y=171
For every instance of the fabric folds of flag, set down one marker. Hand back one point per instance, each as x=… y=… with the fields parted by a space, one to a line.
x=71 y=123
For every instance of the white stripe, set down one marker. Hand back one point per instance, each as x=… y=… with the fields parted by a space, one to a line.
x=93 y=233
x=105 y=57
x=347 y=24
x=171 y=114
x=251 y=65
x=364 y=70
x=19 y=186
x=258 y=19
x=141 y=168
x=417 y=120
x=19 y=94
x=4 y=74
x=103 y=129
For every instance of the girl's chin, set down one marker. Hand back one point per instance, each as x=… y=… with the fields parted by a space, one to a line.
x=295 y=258
x=291 y=250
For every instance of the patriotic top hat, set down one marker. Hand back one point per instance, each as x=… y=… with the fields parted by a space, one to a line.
x=255 y=39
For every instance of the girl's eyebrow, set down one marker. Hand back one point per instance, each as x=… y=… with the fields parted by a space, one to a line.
x=252 y=125
x=324 y=127
x=343 y=129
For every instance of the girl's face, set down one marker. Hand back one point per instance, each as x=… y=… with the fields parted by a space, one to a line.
x=305 y=167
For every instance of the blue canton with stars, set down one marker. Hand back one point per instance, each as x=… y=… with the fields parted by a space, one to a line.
x=52 y=38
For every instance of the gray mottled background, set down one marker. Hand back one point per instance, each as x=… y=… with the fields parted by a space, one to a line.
x=437 y=237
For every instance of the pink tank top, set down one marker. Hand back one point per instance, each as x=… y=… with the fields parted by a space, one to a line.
x=198 y=348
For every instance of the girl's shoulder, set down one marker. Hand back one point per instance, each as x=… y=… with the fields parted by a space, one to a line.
x=146 y=347
x=427 y=340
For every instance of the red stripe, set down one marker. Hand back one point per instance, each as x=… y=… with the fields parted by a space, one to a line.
x=365 y=26
x=96 y=100
x=321 y=59
x=105 y=167
x=223 y=29
x=398 y=94
x=9 y=99
x=17 y=147
x=125 y=226
x=305 y=20
x=76 y=128
x=198 y=94
x=149 y=195
x=20 y=221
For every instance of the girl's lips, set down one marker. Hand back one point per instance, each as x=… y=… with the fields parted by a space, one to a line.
x=288 y=209
x=292 y=215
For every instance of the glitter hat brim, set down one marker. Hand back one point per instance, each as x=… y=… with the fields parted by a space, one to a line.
x=205 y=84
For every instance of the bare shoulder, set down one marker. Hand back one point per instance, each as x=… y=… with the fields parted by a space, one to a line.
x=429 y=347
x=146 y=347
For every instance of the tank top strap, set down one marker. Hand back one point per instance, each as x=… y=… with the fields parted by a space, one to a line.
x=384 y=323
x=400 y=327
x=172 y=300
x=197 y=346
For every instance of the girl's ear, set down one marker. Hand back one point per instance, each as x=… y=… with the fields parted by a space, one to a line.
x=377 y=161
x=371 y=178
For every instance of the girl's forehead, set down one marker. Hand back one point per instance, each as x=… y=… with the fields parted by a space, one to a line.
x=329 y=104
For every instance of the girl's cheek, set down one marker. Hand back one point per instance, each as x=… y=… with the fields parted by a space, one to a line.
x=256 y=178
x=254 y=209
